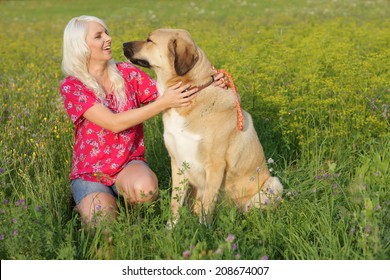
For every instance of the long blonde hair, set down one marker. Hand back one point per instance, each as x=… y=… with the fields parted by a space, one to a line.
x=76 y=54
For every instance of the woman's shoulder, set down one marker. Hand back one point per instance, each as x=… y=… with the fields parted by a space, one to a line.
x=71 y=84
x=71 y=81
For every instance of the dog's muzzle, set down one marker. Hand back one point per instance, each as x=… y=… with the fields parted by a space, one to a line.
x=128 y=51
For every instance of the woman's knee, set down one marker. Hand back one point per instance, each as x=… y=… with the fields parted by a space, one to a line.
x=145 y=189
x=137 y=183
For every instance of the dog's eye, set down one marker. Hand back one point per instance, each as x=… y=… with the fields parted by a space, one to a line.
x=148 y=40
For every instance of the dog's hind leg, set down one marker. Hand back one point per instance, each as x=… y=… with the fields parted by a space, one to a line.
x=272 y=191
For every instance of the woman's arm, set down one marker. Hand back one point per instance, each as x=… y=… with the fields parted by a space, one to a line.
x=173 y=97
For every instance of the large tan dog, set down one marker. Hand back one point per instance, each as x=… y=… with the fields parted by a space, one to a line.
x=204 y=136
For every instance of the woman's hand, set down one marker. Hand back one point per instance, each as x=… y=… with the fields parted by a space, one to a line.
x=178 y=96
x=219 y=81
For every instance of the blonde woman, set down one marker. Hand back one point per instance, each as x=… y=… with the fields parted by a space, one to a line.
x=104 y=101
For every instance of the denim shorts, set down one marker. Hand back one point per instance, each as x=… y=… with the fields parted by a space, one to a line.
x=81 y=188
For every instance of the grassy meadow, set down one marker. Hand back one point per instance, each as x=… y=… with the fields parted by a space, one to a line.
x=315 y=75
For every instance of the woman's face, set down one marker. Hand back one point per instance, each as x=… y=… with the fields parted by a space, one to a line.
x=99 y=43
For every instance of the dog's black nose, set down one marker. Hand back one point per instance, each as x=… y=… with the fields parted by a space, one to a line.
x=125 y=44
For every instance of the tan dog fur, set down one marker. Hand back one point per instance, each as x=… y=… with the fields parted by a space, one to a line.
x=204 y=135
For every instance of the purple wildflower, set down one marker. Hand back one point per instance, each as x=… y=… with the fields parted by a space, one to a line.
x=234 y=246
x=353 y=230
x=39 y=208
x=1 y=211
x=257 y=169
x=186 y=254
x=2 y=170
x=266 y=201
x=6 y=201
x=15 y=232
x=264 y=258
x=367 y=229
x=238 y=256
x=230 y=237
x=14 y=220
x=1 y=236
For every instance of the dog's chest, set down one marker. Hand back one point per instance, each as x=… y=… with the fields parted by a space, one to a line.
x=182 y=143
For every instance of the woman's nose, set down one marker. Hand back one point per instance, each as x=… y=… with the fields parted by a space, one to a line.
x=108 y=38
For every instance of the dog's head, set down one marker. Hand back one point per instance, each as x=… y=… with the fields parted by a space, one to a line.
x=167 y=51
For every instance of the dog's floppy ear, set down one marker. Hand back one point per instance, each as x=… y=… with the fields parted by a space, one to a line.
x=185 y=55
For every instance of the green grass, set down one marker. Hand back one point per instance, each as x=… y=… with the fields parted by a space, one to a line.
x=313 y=74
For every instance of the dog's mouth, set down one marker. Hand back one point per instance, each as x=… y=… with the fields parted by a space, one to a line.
x=140 y=62
x=129 y=53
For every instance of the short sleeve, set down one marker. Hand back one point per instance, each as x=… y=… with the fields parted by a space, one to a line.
x=143 y=85
x=77 y=98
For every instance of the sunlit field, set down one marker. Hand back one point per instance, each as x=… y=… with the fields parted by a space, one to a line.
x=315 y=75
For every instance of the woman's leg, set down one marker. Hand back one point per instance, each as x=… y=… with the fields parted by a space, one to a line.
x=97 y=207
x=94 y=201
x=137 y=183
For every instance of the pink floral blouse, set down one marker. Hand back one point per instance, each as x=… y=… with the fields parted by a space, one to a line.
x=100 y=154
